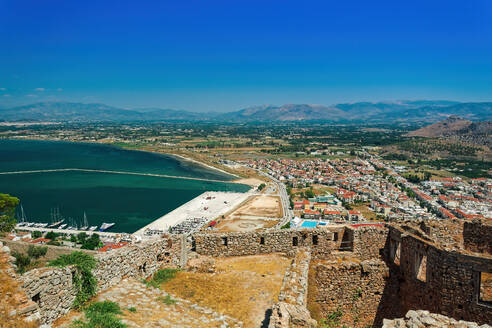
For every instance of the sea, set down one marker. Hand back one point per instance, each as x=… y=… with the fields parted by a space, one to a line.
x=131 y=201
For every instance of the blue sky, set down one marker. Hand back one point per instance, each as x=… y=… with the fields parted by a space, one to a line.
x=227 y=55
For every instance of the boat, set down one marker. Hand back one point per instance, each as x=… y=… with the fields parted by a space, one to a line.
x=85 y=223
x=93 y=228
x=56 y=218
x=106 y=226
x=62 y=226
x=42 y=225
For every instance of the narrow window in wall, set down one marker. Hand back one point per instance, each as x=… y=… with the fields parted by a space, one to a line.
x=485 y=291
x=315 y=240
x=295 y=242
x=421 y=266
x=262 y=240
x=224 y=241
x=335 y=236
x=395 y=251
x=36 y=298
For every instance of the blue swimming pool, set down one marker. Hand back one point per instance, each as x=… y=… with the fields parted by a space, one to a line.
x=309 y=224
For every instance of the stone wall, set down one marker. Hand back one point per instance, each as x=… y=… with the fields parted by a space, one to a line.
x=291 y=309
x=139 y=260
x=430 y=278
x=369 y=241
x=356 y=289
x=321 y=241
x=477 y=236
x=51 y=288
x=52 y=253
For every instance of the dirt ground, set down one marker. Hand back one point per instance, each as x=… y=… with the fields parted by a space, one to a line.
x=242 y=225
x=261 y=206
x=241 y=287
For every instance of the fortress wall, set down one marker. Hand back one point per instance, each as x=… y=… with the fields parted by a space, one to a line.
x=321 y=241
x=477 y=236
x=139 y=260
x=437 y=280
x=354 y=289
x=51 y=288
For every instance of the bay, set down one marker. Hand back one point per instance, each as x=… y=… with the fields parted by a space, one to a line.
x=131 y=201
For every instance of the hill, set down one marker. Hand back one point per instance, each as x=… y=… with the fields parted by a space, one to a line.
x=457 y=128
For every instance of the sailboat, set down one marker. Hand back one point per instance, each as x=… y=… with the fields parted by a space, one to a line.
x=85 y=223
x=22 y=218
x=56 y=219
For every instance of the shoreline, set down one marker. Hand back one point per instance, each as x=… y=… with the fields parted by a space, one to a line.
x=199 y=163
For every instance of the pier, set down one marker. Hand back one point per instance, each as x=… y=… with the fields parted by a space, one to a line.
x=114 y=172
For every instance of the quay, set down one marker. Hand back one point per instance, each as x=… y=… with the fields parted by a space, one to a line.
x=73 y=232
x=208 y=206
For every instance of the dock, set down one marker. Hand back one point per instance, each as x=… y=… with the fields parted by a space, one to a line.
x=209 y=205
x=72 y=232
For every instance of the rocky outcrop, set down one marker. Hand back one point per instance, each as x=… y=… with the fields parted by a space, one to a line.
x=420 y=318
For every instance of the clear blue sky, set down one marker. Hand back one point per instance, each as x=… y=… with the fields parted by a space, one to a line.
x=226 y=55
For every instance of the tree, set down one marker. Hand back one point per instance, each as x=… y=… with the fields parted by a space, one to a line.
x=309 y=193
x=81 y=237
x=36 y=252
x=7 y=211
x=51 y=235
x=36 y=234
x=92 y=242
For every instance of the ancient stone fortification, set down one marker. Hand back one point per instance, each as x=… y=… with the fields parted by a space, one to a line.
x=367 y=273
x=431 y=278
x=477 y=236
x=372 y=273
x=321 y=242
x=51 y=288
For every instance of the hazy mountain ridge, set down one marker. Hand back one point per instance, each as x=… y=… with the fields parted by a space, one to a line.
x=363 y=112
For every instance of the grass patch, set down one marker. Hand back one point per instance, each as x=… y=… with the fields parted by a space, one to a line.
x=132 y=309
x=101 y=315
x=161 y=276
x=168 y=300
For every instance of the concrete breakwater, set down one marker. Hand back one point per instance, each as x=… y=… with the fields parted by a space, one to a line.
x=112 y=172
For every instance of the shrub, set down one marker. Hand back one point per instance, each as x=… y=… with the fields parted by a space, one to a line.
x=36 y=252
x=101 y=315
x=51 y=235
x=132 y=309
x=22 y=261
x=285 y=226
x=36 y=234
x=162 y=276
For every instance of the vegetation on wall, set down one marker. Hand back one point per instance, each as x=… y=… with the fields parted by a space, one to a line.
x=83 y=280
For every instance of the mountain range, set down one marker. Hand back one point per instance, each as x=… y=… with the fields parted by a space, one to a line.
x=360 y=112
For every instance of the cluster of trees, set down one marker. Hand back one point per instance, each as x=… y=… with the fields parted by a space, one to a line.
x=7 y=211
x=435 y=146
x=88 y=242
x=28 y=260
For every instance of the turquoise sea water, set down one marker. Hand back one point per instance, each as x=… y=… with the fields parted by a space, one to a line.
x=130 y=201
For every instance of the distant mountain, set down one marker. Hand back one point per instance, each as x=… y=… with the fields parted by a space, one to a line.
x=78 y=112
x=457 y=128
x=361 y=112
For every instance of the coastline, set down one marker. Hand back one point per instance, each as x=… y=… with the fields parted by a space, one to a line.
x=201 y=164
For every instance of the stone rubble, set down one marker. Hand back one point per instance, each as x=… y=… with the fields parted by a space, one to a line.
x=421 y=318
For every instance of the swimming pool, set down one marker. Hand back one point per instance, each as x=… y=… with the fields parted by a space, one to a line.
x=309 y=224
